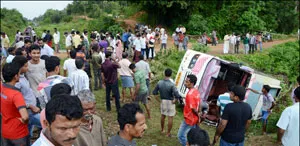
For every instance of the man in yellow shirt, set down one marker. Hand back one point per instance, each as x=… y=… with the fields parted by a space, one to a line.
x=76 y=39
x=4 y=44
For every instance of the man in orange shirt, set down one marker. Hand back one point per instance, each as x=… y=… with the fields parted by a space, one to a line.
x=191 y=109
x=13 y=109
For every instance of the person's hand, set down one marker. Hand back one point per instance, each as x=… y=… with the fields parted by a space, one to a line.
x=215 y=140
x=174 y=101
x=35 y=109
x=133 y=98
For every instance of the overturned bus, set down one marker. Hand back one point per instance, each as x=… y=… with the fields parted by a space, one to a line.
x=214 y=73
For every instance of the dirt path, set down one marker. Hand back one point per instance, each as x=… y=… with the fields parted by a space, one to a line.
x=217 y=50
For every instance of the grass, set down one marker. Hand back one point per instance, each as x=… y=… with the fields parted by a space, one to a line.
x=152 y=135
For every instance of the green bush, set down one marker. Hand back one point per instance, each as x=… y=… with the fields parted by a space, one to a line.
x=115 y=29
x=200 y=48
x=197 y=25
x=67 y=19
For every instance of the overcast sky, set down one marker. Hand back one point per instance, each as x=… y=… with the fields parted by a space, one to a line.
x=31 y=9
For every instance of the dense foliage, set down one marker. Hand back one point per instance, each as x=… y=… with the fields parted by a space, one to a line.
x=225 y=16
x=11 y=21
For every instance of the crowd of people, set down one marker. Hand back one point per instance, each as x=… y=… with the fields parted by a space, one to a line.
x=63 y=108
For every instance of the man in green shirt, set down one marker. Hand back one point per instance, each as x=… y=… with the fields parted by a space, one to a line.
x=141 y=89
x=96 y=62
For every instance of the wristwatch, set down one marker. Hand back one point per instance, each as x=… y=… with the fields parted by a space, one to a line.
x=27 y=105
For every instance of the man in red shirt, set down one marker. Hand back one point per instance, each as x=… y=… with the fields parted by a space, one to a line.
x=191 y=109
x=13 y=109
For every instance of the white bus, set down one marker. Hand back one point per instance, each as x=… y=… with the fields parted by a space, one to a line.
x=214 y=73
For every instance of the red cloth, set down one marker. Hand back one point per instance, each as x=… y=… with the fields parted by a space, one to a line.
x=192 y=101
x=49 y=43
x=11 y=101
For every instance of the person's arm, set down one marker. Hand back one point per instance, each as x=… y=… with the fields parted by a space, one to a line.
x=273 y=104
x=137 y=88
x=248 y=124
x=219 y=130
x=34 y=109
x=65 y=72
x=24 y=115
x=254 y=91
x=103 y=77
x=280 y=133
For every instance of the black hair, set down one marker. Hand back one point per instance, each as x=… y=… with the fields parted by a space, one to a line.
x=103 y=37
x=193 y=79
x=118 y=37
x=65 y=105
x=108 y=54
x=60 y=88
x=93 y=36
x=73 y=54
x=40 y=39
x=197 y=136
x=81 y=36
x=85 y=31
x=297 y=92
x=51 y=63
x=44 y=57
x=79 y=63
x=141 y=57
x=21 y=60
x=9 y=71
x=124 y=55
x=45 y=30
x=95 y=47
x=298 y=79
x=34 y=47
x=168 y=72
x=21 y=38
x=45 y=40
x=79 y=47
x=19 y=51
x=55 y=28
x=27 y=41
x=127 y=114
x=11 y=49
x=267 y=88
x=239 y=91
x=77 y=32
x=72 y=32
x=230 y=85
x=132 y=66
x=48 y=31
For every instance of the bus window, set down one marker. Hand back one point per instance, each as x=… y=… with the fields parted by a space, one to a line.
x=193 y=61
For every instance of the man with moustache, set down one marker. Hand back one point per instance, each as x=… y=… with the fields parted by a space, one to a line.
x=132 y=123
x=91 y=128
x=63 y=119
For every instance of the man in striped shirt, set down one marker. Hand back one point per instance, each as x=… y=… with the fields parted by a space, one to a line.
x=224 y=99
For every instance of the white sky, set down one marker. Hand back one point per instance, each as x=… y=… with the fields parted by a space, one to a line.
x=31 y=9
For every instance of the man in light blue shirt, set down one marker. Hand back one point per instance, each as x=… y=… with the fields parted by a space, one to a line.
x=224 y=99
x=29 y=97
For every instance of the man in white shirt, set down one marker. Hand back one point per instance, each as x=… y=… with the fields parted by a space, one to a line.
x=56 y=37
x=288 y=124
x=164 y=38
x=43 y=34
x=45 y=49
x=20 y=44
x=143 y=44
x=138 y=47
x=63 y=120
x=69 y=64
x=68 y=42
x=232 y=42
x=126 y=75
x=11 y=56
x=79 y=77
